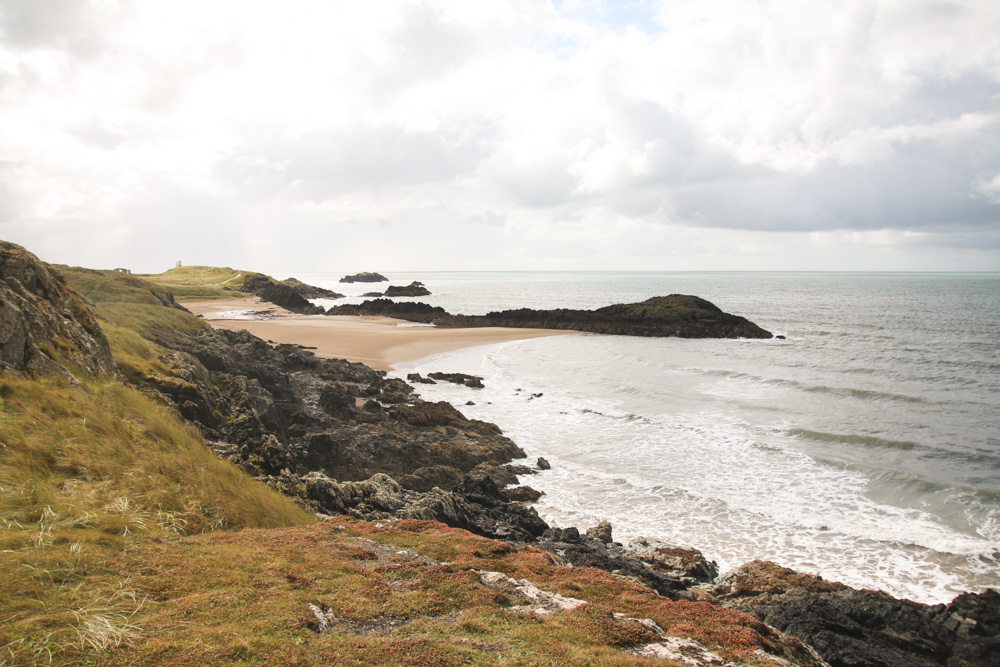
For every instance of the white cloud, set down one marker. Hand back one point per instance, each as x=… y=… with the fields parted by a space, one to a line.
x=506 y=133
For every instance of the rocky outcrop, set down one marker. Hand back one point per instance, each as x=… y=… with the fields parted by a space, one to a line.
x=678 y=315
x=413 y=289
x=866 y=628
x=311 y=291
x=280 y=294
x=410 y=311
x=472 y=381
x=597 y=549
x=364 y=277
x=45 y=327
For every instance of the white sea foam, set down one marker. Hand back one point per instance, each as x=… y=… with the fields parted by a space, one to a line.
x=689 y=459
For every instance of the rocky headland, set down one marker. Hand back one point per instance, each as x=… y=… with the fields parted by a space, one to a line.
x=678 y=315
x=342 y=439
x=311 y=291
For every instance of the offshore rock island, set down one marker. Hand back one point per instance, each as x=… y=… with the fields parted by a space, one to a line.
x=171 y=489
x=678 y=315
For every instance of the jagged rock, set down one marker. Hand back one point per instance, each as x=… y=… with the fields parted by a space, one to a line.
x=866 y=628
x=688 y=566
x=501 y=475
x=427 y=477
x=523 y=494
x=381 y=492
x=413 y=289
x=497 y=519
x=372 y=294
x=473 y=381
x=364 y=277
x=586 y=551
x=280 y=294
x=45 y=326
x=601 y=532
x=543 y=464
x=418 y=378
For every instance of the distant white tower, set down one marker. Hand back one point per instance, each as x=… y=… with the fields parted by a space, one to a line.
x=178 y=264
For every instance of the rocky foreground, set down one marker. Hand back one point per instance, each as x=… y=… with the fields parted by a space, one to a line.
x=344 y=439
x=678 y=315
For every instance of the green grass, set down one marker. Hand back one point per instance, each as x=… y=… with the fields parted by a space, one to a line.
x=202 y=282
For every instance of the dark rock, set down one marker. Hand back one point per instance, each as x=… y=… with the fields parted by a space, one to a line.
x=311 y=291
x=523 y=494
x=543 y=464
x=866 y=628
x=679 y=315
x=688 y=566
x=569 y=547
x=413 y=289
x=280 y=294
x=46 y=328
x=418 y=378
x=601 y=532
x=364 y=277
x=372 y=294
x=473 y=381
x=470 y=403
x=410 y=311
x=501 y=475
x=427 y=477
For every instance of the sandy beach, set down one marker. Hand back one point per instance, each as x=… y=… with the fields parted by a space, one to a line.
x=379 y=342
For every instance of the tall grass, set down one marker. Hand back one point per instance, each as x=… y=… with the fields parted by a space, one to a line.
x=86 y=473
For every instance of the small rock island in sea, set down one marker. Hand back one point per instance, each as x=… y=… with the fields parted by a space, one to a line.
x=364 y=277
x=679 y=315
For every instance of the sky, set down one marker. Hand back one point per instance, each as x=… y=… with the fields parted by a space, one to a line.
x=331 y=136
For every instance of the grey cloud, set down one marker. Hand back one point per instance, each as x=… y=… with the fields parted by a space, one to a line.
x=72 y=24
x=922 y=188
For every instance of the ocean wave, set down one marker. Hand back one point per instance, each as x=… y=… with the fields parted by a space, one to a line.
x=853 y=439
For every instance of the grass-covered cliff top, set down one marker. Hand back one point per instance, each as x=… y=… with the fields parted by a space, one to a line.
x=201 y=282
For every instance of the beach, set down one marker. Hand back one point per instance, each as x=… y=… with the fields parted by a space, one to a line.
x=379 y=342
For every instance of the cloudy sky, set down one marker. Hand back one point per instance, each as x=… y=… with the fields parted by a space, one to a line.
x=315 y=136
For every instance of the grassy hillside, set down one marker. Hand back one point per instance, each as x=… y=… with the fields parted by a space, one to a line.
x=201 y=282
x=88 y=473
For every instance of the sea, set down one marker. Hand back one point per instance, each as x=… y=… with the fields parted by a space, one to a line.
x=863 y=447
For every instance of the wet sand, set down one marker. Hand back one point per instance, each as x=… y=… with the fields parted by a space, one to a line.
x=379 y=342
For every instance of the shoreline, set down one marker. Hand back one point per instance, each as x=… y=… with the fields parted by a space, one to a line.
x=379 y=342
